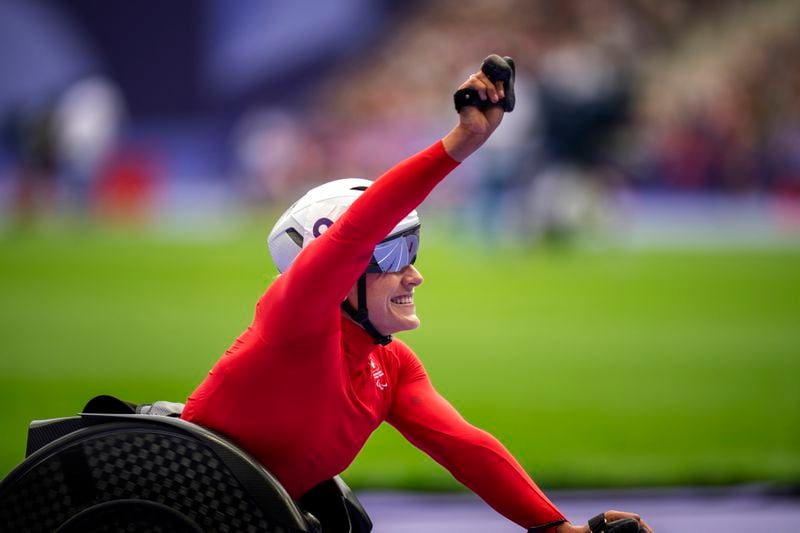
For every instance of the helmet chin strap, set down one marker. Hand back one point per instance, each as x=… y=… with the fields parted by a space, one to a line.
x=361 y=315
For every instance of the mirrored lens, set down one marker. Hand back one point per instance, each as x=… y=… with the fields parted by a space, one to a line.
x=394 y=254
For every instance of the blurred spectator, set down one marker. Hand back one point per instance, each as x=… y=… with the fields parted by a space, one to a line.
x=506 y=163
x=31 y=135
x=57 y=148
x=127 y=184
x=271 y=147
x=584 y=100
x=87 y=120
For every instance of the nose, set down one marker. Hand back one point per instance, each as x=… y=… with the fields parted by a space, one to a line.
x=411 y=277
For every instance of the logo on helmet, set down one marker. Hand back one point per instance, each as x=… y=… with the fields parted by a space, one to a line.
x=319 y=224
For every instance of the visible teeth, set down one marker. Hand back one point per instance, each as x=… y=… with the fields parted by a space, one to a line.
x=403 y=300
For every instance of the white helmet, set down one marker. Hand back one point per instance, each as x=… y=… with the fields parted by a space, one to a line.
x=319 y=208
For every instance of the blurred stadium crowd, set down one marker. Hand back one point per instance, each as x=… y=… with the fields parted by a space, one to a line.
x=115 y=111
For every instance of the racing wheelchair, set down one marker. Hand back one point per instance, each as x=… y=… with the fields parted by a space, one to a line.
x=120 y=467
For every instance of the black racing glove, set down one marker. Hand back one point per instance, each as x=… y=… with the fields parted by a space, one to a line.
x=598 y=524
x=496 y=69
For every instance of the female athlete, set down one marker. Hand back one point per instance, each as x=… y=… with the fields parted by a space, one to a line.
x=317 y=371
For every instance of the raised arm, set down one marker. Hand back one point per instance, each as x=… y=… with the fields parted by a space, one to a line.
x=305 y=299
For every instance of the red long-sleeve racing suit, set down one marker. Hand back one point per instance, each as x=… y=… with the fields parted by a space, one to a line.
x=303 y=387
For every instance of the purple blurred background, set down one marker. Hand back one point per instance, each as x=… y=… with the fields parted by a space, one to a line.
x=628 y=110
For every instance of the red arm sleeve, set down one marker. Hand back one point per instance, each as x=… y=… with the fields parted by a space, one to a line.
x=300 y=300
x=473 y=456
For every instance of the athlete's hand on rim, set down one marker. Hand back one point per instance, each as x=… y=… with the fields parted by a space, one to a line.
x=611 y=516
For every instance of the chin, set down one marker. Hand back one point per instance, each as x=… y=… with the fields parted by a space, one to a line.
x=411 y=324
x=406 y=324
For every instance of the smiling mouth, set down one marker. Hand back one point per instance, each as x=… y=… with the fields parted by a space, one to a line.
x=405 y=299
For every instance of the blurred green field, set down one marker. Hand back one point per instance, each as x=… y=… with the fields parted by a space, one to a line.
x=611 y=368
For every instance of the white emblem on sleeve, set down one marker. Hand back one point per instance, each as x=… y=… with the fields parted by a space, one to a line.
x=378 y=375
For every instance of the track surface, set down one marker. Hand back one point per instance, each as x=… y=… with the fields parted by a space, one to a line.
x=732 y=510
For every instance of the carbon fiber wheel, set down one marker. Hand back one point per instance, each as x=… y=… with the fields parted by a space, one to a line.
x=143 y=476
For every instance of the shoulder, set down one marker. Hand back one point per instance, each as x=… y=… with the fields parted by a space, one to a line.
x=401 y=360
x=399 y=351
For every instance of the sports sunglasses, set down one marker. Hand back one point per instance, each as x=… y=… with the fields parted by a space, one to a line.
x=395 y=253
